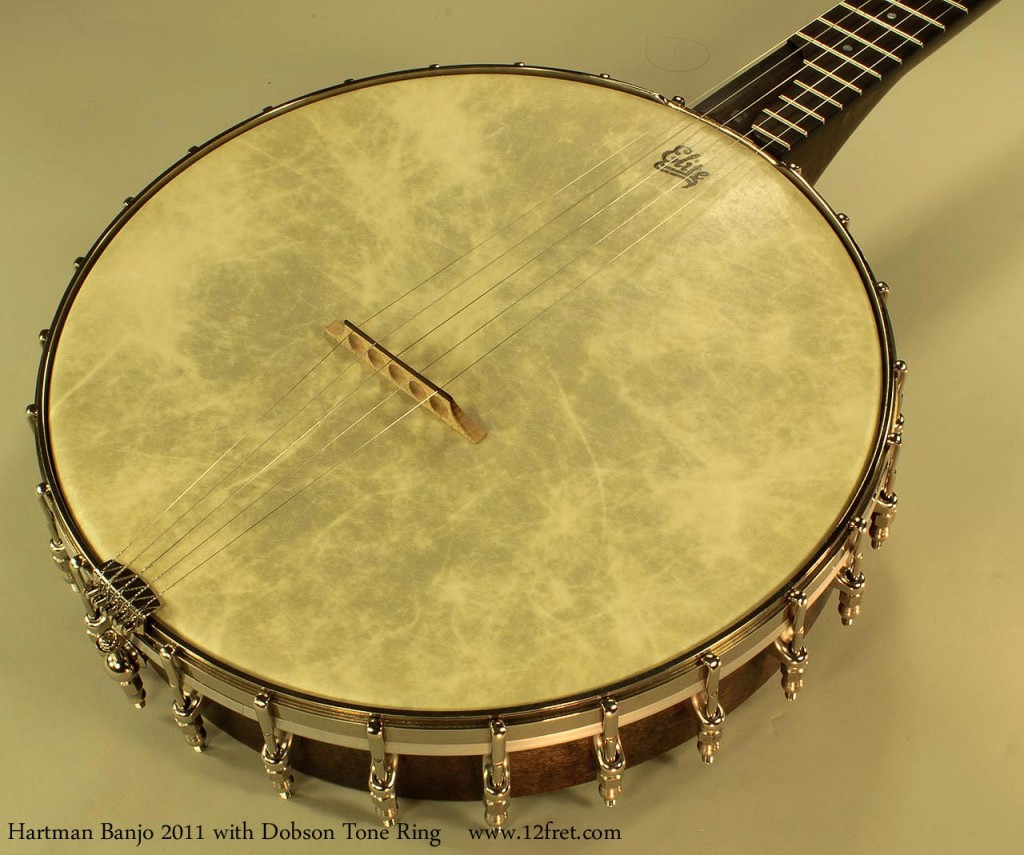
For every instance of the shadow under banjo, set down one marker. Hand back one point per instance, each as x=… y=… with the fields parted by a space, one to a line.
x=418 y=453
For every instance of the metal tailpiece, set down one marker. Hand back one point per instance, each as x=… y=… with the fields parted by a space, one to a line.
x=790 y=647
x=709 y=710
x=611 y=761
x=497 y=787
x=185 y=708
x=383 y=772
x=276 y=748
x=122 y=596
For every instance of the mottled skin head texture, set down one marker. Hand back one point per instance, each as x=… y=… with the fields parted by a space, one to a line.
x=680 y=380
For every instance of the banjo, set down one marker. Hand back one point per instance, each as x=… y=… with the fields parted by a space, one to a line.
x=430 y=460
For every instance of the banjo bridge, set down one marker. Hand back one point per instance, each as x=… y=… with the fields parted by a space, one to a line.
x=386 y=365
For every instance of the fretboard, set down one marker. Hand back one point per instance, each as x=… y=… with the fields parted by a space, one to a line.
x=844 y=52
x=828 y=65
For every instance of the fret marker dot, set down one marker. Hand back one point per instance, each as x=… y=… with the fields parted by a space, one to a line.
x=848 y=48
x=891 y=16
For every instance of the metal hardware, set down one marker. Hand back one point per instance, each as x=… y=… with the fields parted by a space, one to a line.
x=772 y=137
x=128 y=200
x=192 y=149
x=844 y=219
x=807 y=111
x=882 y=289
x=900 y=376
x=276 y=748
x=825 y=72
x=783 y=120
x=96 y=623
x=886 y=503
x=916 y=13
x=678 y=100
x=850 y=34
x=879 y=22
x=122 y=662
x=383 y=772
x=790 y=647
x=123 y=596
x=604 y=76
x=497 y=782
x=709 y=710
x=865 y=69
x=611 y=761
x=58 y=551
x=32 y=414
x=519 y=64
x=850 y=580
x=819 y=94
x=185 y=708
x=795 y=167
x=79 y=262
x=44 y=338
x=882 y=518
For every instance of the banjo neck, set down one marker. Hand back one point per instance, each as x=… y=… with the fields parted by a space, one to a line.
x=803 y=99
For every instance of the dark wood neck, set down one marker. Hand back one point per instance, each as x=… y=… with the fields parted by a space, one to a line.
x=802 y=101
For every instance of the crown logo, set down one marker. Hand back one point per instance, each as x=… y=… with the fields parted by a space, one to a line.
x=682 y=162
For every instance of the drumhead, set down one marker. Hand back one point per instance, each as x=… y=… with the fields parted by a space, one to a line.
x=677 y=362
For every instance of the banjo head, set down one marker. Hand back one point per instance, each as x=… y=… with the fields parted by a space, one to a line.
x=675 y=351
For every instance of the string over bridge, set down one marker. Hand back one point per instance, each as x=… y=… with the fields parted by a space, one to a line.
x=388 y=366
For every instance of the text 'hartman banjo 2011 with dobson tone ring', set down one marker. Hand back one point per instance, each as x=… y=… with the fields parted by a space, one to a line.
x=417 y=453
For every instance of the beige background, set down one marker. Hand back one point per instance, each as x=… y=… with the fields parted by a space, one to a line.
x=907 y=738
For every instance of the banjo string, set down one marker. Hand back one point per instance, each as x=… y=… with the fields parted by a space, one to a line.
x=341 y=401
x=340 y=375
x=857 y=26
x=335 y=464
x=673 y=186
x=729 y=145
x=217 y=462
x=509 y=276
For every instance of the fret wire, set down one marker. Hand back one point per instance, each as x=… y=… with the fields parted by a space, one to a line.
x=784 y=121
x=883 y=24
x=873 y=45
x=842 y=56
x=917 y=14
x=800 y=106
x=956 y=5
x=773 y=138
x=834 y=77
x=888 y=34
x=821 y=95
